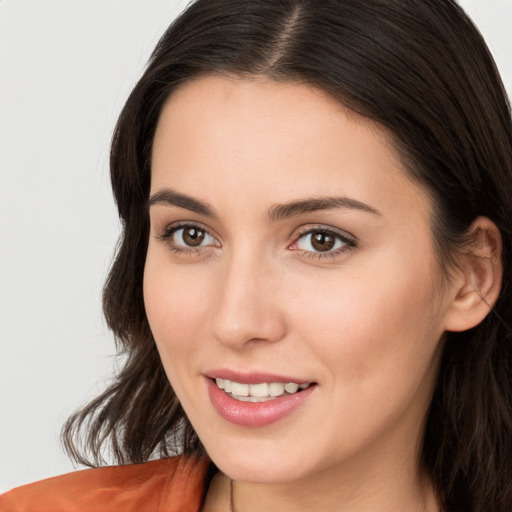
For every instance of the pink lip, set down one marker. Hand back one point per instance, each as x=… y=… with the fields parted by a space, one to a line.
x=255 y=414
x=252 y=377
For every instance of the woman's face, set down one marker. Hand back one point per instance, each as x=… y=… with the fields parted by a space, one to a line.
x=288 y=246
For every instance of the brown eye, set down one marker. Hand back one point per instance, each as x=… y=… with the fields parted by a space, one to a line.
x=193 y=236
x=318 y=241
x=322 y=241
x=190 y=236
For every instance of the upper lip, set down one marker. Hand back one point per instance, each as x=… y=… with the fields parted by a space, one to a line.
x=252 y=377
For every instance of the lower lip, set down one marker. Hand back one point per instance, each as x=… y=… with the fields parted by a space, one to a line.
x=255 y=414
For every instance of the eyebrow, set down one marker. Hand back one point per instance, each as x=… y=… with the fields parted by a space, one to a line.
x=172 y=198
x=284 y=211
x=277 y=212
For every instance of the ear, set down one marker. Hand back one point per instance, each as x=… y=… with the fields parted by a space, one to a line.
x=478 y=281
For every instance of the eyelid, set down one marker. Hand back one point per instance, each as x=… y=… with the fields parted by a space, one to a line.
x=303 y=230
x=349 y=240
x=169 y=230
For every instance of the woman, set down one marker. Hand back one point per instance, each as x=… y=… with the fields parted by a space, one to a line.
x=312 y=287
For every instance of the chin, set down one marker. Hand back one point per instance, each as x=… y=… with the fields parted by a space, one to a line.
x=257 y=472
x=263 y=462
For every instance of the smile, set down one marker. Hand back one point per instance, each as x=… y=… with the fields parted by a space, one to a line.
x=256 y=403
x=260 y=392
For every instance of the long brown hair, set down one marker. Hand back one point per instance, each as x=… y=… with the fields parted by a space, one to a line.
x=419 y=68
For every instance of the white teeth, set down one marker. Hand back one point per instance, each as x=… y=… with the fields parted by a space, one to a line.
x=276 y=389
x=252 y=398
x=258 y=392
x=239 y=389
x=291 y=387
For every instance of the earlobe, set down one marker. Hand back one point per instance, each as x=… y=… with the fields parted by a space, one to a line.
x=480 y=274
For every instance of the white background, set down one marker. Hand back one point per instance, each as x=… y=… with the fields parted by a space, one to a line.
x=66 y=68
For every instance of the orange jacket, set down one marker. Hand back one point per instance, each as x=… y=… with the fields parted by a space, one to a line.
x=171 y=485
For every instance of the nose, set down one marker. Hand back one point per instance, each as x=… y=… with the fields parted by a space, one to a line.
x=247 y=309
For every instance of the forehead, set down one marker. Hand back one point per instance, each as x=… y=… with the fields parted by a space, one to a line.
x=272 y=140
x=265 y=108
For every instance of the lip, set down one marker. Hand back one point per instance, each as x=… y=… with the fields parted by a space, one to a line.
x=252 y=377
x=255 y=414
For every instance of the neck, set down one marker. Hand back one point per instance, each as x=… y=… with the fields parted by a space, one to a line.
x=413 y=495
x=355 y=487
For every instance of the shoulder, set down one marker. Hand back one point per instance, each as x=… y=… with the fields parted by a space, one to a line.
x=175 y=484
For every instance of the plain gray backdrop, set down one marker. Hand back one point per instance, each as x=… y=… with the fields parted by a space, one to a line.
x=66 y=68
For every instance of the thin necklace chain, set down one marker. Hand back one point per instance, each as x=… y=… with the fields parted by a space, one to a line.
x=231 y=501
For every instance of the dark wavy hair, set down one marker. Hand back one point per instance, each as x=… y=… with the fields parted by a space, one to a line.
x=419 y=68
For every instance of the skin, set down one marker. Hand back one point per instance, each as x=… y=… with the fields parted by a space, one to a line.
x=366 y=323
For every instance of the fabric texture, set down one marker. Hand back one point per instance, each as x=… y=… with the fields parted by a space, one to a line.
x=176 y=484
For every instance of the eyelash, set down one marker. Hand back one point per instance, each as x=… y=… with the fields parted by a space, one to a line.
x=349 y=243
x=169 y=231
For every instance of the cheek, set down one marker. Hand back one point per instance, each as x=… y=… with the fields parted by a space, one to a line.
x=371 y=325
x=177 y=304
x=375 y=341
